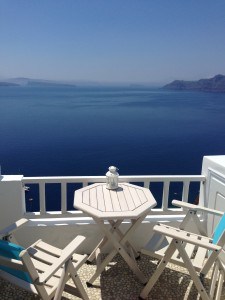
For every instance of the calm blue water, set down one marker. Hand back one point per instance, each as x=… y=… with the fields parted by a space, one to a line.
x=48 y=131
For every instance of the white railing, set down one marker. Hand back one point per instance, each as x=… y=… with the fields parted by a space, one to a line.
x=85 y=180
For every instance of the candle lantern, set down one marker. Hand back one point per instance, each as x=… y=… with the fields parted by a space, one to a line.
x=112 y=178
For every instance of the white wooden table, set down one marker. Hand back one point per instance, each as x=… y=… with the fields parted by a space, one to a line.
x=112 y=207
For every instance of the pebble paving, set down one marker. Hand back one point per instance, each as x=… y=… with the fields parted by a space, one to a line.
x=118 y=282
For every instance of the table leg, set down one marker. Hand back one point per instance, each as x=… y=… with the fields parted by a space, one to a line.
x=103 y=241
x=119 y=247
x=130 y=247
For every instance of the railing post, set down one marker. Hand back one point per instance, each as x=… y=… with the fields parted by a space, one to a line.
x=42 y=197
x=63 y=197
x=147 y=181
x=165 y=195
x=147 y=184
x=185 y=191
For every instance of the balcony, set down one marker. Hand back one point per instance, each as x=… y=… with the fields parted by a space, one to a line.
x=60 y=226
x=118 y=282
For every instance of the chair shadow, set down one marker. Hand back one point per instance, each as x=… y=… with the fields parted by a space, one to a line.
x=119 y=283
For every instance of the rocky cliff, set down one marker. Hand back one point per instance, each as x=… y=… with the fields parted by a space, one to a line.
x=215 y=84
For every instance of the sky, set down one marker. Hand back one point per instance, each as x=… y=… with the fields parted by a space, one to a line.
x=136 y=41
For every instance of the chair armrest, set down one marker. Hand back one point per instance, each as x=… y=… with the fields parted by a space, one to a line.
x=66 y=254
x=186 y=236
x=11 y=263
x=196 y=207
x=13 y=227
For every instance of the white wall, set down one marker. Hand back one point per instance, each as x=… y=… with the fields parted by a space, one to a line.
x=12 y=204
x=213 y=191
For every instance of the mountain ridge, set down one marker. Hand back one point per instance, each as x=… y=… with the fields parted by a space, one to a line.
x=214 y=84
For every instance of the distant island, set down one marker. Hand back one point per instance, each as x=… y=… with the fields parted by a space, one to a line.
x=2 y=83
x=34 y=82
x=215 y=84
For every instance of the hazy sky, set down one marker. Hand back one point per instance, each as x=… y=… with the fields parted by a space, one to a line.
x=112 y=40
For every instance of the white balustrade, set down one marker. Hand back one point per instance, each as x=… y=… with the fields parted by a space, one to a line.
x=146 y=181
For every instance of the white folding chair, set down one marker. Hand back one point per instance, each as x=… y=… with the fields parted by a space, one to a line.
x=41 y=269
x=197 y=252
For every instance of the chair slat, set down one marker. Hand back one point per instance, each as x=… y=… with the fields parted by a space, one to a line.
x=189 y=248
x=186 y=237
x=48 y=268
x=42 y=256
x=175 y=255
x=48 y=248
x=77 y=258
x=19 y=282
x=199 y=259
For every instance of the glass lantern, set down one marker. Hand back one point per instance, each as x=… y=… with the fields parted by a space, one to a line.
x=112 y=178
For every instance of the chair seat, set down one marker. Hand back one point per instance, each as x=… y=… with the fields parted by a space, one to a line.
x=43 y=255
x=196 y=254
x=48 y=268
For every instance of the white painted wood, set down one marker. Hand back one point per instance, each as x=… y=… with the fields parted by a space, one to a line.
x=185 y=191
x=85 y=180
x=186 y=237
x=180 y=254
x=62 y=281
x=161 y=266
x=166 y=186
x=67 y=252
x=18 y=282
x=131 y=205
x=147 y=184
x=214 y=280
x=192 y=271
x=189 y=250
x=13 y=227
x=127 y=195
x=64 y=197
x=42 y=256
x=102 y=179
x=47 y=266
x=199 y=258
x=220 y=285
x=135 y=206
x=135 y=196
x=42 y=197
x=100 y=197
x=93 y=198
x=11 y=263
x=123 y=202
x=85 y=197
x=197 y=207
x=107 y=199
x=115 y=201
x=77 y=282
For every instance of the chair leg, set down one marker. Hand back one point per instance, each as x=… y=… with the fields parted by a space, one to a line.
x=62 y=282
x=214 y=280
x=77 y=282
x=220 y=285
x=192 y=272
x=164 y=261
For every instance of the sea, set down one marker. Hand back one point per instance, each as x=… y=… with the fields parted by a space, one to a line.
x=73 y=131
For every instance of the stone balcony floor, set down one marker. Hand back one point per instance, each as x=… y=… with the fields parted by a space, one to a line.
x=117 y=282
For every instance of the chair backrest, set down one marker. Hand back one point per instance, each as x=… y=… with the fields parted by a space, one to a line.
x=219 y=237
x=12 y=251
x=219 y=230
